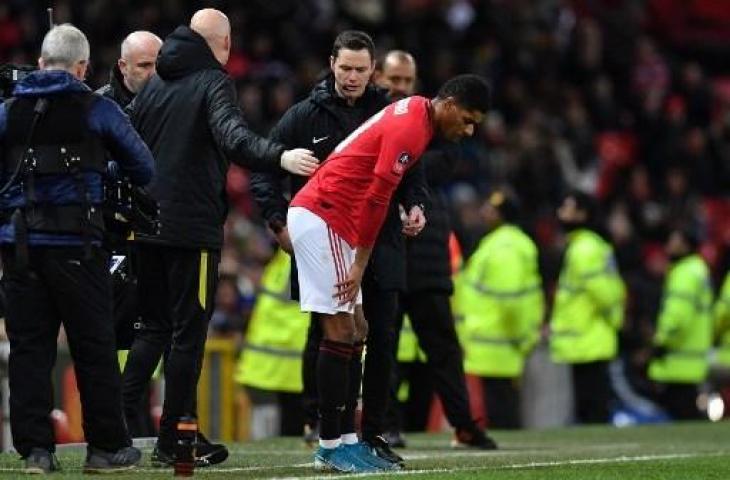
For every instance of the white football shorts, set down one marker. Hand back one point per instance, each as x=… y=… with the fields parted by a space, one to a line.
x=323 y=260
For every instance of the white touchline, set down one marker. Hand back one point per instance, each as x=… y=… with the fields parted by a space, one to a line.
x=585 y=461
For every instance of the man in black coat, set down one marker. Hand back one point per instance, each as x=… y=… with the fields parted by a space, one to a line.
x=427 y=299
x=134 y=68
x=188 y=115
x=335 y=108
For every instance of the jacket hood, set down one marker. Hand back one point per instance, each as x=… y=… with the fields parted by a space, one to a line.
x=324 y=93
x=46 y=82
x=116 y=80
x=184 y=52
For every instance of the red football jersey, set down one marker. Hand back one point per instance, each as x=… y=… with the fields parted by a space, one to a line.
x=351 y=190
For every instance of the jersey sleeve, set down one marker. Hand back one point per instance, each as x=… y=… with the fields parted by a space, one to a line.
x=399 y=148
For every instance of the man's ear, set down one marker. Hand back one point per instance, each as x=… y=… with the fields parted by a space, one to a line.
x=41 y=63
x=80 y=71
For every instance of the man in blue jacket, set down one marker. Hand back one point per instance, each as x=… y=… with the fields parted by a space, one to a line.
x=54 y=133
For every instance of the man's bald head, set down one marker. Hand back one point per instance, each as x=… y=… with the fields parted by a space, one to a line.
x=398 y=74
x=214 y=27
x=137 y=60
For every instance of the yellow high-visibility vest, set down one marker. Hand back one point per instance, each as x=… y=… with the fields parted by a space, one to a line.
x=500 y=298
x=589 y=304
x=684 y=326
x=271 y=358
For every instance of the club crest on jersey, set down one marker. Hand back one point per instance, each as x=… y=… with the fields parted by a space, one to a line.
x=401 y=163
x=401 y=106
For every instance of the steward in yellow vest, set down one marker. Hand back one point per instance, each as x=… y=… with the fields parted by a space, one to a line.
x=272 y=352
x=588 y=309
x=683 y=335
x=502 y=302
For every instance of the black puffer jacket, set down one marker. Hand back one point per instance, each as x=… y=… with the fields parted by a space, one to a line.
x=189 y=116
x=319 y=123
x=429 y=265
x=116 y=90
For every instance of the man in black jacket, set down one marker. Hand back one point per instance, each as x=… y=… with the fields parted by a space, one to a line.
x=188 y=115
x=134 y=68
x=427 y=300
x=336 y=107
x=132 y=71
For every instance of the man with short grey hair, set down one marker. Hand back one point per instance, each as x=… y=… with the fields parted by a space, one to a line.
x=135 y=66
x=53 y=135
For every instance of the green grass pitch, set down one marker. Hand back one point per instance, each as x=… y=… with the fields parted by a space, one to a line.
x=666 y=452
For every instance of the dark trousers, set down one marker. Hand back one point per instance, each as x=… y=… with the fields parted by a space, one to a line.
x=176 y=294
x=433 y=324
x=501 y=402
x=411 y=415
x=380 y=308
x=291 y=418
x=381 y=311
x=62 y=286
x=679 y=400
x=310 y=393
x=592 y=392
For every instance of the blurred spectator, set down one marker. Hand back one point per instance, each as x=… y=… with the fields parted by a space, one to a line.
x=683 y=333
x=227 y=319
x=588 y=310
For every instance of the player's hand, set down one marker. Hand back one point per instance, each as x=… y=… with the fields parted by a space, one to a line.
x=299 y=161
x=284 y=240
x=415 y=222
x=347 y=290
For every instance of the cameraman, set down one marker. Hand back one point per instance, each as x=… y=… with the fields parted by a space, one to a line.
x=54 y=133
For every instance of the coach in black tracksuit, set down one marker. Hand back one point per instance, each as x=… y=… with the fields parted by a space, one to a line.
x=188 y=115
x=321 y=121
x=428 y=305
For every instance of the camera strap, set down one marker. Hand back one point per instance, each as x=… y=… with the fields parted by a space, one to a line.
x=29 y=161
x=73 y=165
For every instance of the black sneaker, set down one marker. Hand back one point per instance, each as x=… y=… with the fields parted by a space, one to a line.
x=382 y=449
x=472 y=437
x=209 y=453
x=41 y=461
x=395 y=439
x=99 y=461
x=161 y=458
x=206 y=454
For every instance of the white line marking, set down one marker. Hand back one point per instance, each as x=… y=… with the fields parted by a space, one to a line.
x=586 y=461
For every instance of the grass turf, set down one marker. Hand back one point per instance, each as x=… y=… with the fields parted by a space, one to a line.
x=666 y=452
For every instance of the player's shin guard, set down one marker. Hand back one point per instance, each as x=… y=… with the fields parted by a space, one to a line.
x=332 y=379
x=353 y=389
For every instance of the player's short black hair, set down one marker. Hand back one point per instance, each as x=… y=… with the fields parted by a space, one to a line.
x=471 y=92
x=353 y=40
